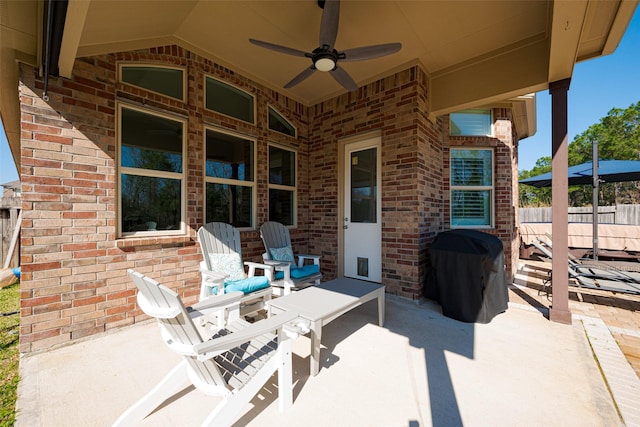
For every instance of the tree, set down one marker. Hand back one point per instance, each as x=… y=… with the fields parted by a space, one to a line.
x=618 y=137
x=531 y=196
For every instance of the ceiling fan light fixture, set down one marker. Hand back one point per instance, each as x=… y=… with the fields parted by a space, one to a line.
x=325 y=64
x=325 y=57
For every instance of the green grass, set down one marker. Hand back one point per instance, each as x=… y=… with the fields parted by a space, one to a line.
x=9 y=325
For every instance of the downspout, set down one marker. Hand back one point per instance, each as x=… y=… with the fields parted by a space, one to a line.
x=47 y=50
x=55 y=20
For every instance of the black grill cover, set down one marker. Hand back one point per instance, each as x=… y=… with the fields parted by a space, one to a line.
x=467 y=275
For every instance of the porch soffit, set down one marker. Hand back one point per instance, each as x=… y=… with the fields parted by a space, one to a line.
x=475 y=52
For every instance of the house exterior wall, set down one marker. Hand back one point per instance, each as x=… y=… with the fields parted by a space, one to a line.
x=396 y=107
x=504 y=142
x=74 y=266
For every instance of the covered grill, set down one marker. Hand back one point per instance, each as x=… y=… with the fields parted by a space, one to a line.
x=467 y=275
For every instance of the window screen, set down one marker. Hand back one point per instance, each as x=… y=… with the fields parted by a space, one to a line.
x=471 y=188
x=470 y=123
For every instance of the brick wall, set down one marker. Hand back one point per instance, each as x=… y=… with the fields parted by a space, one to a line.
x=396 y=107
x=74 y=280
x=505 y=145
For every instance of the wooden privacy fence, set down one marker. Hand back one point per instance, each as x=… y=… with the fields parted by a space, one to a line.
x=618 y=214
x=9 y=218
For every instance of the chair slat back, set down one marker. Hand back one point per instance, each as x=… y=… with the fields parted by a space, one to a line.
x=274 y=235
x=218 y=238
x=154 y=297
x=180 y=333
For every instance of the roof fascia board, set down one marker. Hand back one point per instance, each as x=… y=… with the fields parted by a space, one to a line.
x=525 y=115
x=567 y=22
x=620 y=25
x=495 y=79
x=20 y=30
x=74 y=24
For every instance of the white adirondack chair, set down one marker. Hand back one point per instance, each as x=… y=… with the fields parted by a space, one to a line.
x=234 y=363
x=279 y=253
x=222 y=268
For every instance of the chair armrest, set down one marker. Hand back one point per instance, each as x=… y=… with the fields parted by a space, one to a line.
x=214 y=303
x=278 y=265
x=211 y=279
x=261 y=266
x=302 y=257
x=218 y=310
x=268 y=269
x=285 y=267
x=297 y=327
x=213 y=347
x=212 y=276
x=307 y=256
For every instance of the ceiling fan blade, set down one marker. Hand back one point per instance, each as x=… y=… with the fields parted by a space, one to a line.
x=370 y=52
x=300 y=77
x=329 y=23
x=278 y=48
x=344 y=79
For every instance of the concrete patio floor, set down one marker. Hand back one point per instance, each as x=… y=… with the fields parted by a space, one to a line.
x=420 y=369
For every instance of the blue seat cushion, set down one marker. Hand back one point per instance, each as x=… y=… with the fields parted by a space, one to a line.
x=300 y=272
x=246 y=286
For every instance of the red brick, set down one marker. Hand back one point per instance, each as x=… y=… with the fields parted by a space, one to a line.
x=41 y=266
x=87 y=301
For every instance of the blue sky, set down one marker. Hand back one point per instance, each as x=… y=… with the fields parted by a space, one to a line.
x=8 y=170
x=597 y=86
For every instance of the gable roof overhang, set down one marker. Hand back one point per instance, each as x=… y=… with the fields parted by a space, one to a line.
x=476 y=53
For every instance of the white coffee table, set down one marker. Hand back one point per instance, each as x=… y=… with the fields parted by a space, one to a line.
x=325 y=302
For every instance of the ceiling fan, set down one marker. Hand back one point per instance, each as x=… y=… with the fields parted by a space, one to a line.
x=325 y=57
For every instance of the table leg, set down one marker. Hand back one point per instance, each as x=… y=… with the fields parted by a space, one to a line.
x=381 y=308
x=316 y=338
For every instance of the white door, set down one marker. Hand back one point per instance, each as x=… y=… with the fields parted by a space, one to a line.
x=362 y=211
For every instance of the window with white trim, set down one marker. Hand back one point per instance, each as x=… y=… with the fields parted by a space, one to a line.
x=151 y=172
x=472 y=190
x=159 y=79
x=470 y=123
x=282 y=185
x=230 y=179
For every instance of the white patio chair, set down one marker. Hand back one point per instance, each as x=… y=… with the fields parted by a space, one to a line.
x=290 y=275
x=234 y=363
x=223 y=271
